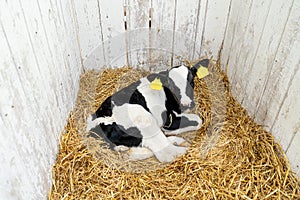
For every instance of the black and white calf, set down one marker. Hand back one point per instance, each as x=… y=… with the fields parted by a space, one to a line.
x=140 y=117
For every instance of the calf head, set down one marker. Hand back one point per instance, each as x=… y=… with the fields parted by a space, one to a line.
x=181 y=82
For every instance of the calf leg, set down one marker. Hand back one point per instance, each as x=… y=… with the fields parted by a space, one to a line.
x=180 y=123
x=141 y=153
x=152 y=136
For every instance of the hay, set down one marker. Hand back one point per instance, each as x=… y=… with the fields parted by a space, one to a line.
x=231 y=157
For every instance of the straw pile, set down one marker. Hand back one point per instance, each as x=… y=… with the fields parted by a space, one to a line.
x=231 y=157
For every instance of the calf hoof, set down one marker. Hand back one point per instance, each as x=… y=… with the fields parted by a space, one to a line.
x=170 y=153
x=121 y=148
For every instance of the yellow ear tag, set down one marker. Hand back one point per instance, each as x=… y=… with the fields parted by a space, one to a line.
x=156 y=84
x=202 y=72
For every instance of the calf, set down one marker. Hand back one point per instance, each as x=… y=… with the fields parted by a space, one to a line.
x=143 y=114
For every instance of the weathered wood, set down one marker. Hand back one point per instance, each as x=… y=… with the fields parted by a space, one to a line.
x=264 y=59
x=39 y=82
x=287 y=124
x=138 y=32
x=293 y=153
x=185 y=28
x=113 y=32
x=284 y=65
x=161 y=35
x=229 y=35
x=215 y=24
x=261 y=48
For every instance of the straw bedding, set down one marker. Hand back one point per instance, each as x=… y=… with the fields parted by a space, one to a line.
x=230 y=157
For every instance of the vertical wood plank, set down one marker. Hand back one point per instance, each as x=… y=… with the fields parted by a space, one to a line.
x=239 y=40
x=86 y=15
x=264 y=60
x=293 y=153
x=185 y=29
x=161 y=41
x=113 y=32
x=215 y=25
x=283 y=69
x=138 y=32
x=233 y=17
x=38 y=90
x=287 y=121
x=247 y=48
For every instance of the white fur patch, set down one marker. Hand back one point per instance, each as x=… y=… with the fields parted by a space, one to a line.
x=155 y=99
x=93 y=123
x=191 y=117
x=179 y=76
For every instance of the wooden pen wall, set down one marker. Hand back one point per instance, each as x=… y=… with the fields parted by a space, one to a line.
x=45 y=46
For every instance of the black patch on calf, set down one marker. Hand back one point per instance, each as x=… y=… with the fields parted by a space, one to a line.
x=124 y=95
x=105 y=110
x=115 y=134
x=190 y=89
x=171 y=103
x=174 y=122
x=118 y=135
x=138 y=98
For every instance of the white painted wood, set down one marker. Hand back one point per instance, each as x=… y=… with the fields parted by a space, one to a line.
x=285 y=63
x=265 y=57
x=185 y=28
x=215 y=24
x=235 y=44
x=229 y=36
x=39 y=82
x=138 y=32
x=113 y=32
x=261 y=48
x=287 y=124
x=293 y=153
x=161 y=35
x=89 y=25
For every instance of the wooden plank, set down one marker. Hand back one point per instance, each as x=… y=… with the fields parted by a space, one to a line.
x=287 y=121
x=138 y=32
x=36 y=84
x=247 y=47
x=86 y=16
x=237 y=41
x=264 y=60
x=113 y=31
x=161 y=35
x=89 y=29
x=233 y=17
x=293 y=153
x=185 y=29
x=215 y=25
x=72 y=56
x=21 y=107
x=284 y=65
x=201 y=24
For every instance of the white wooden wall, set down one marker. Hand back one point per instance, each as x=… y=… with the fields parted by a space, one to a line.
x=39 y=72
x=262 y=50
x=46 y=44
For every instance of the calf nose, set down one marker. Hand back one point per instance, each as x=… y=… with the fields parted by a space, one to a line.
x=186 y=101
x=191 y=105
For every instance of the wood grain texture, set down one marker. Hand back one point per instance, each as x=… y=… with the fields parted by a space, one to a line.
x=39 y=82
x=287 y=123
x=162 y=33
x=261 y=48
x=216 y=20
x=265 y=57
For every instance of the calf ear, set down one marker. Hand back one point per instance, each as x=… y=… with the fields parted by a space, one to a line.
x=202 y=64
